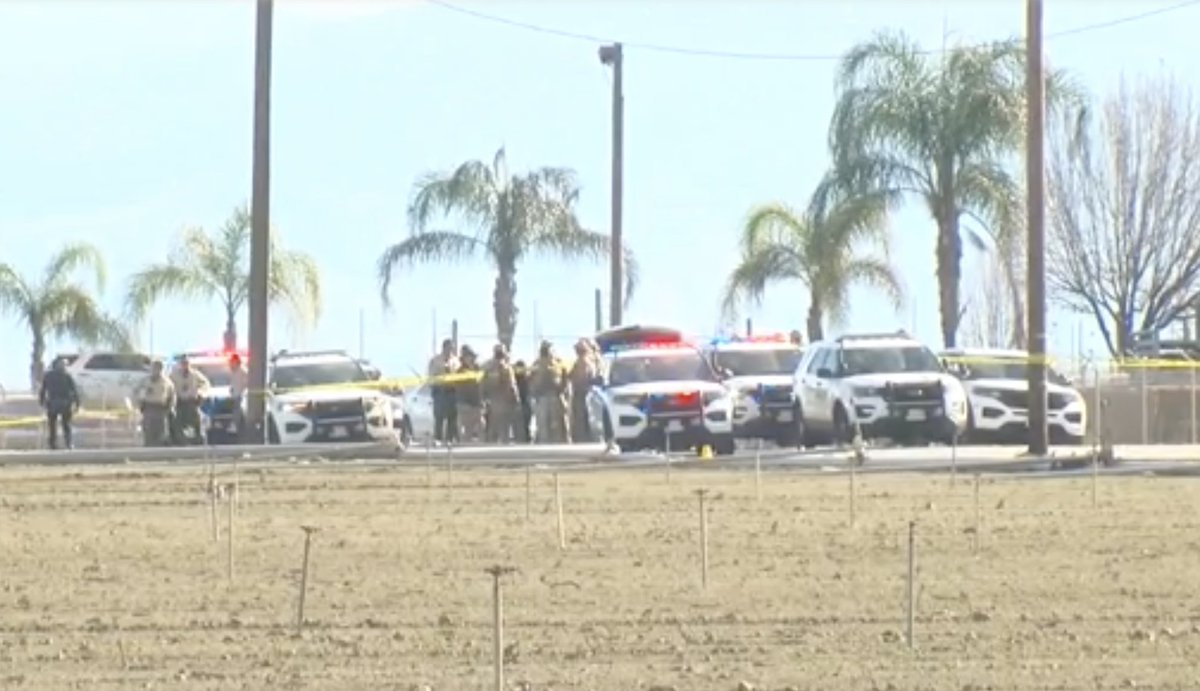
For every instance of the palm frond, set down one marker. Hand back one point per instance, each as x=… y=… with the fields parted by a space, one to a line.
x=295 y=281
x=16 y=296
x=71 y=312
x=767 y=263
x=470 y=191
x=773 y=224
x=160 y=281
x=72 y=257
x=435 y=246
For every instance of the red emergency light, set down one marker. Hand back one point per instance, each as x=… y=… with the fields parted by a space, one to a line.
x=687 y=399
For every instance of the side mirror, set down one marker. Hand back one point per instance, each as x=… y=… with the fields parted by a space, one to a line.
x=375 y=375
x=598 y=381
x=825 y=373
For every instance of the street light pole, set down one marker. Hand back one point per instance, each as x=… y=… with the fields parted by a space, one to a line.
x=1035 y=97
x=614 y=56
x=260 y=222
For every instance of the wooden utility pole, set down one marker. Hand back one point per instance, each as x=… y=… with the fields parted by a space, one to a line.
x=260 y=223
x=614 y=56
x=1035 y=96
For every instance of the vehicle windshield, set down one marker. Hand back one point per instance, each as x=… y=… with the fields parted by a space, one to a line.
x=217 y=373
x=664 y=367
x=857 y=361
x=1002 y=368
x=296 y=375
x=754 y=363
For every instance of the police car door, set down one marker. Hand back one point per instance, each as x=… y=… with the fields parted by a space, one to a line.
x=818 y=389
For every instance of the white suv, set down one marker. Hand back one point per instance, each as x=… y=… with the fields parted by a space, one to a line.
x=107 y=379
x=998 y=387
x=659 y=394
x=327 y=396
x=889 y=385
x=759 y=371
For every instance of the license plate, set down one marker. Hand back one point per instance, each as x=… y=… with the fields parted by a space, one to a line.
x=338 y=432
x=916 y=415
x=675 y=426
x=232 y=427
x=784 y=416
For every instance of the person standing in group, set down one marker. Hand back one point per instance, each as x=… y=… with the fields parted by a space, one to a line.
x=445 y=404
x=469 y=395
x=239 y=381
x=583 y=374
x=156 y=400
x=523 y=432
x=501 y=398
x=191 y=386
x=59 y=397
x=550 y=387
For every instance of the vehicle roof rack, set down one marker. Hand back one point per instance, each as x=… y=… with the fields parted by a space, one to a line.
x=899 y=333
x=308 y=353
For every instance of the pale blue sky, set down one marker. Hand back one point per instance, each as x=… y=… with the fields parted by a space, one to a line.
x=121 y=122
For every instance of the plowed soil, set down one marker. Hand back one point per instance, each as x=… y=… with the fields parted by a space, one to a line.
x=113 y=580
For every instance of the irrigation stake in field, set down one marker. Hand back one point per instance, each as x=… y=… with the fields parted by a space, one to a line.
x=429 y=460
x=558 y=508
x=213 y=518
x=308 y=533
x=975 y=535
x=702 y=494
x=237 y=485
x=528 y=491
x=450 y=467
x=954 y=458
x=667 y=454
x=232 y=513
x=1095 y=477
x=498 y=572
x=912 y=581
x=758 y=471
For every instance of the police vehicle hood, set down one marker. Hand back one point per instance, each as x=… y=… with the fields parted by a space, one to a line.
x=350 y=392
x=1014 y=385
x=950 y=382
x=666 y=387
x=754 y=381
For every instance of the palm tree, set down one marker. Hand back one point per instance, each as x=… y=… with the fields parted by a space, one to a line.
x=60 y=306
x=839 y=241
x=941 y=128
x=217 y=267
x=507 y=218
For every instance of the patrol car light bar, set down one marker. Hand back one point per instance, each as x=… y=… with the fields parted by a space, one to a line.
x=647 y=345
x=899 y=333
x=763 y=338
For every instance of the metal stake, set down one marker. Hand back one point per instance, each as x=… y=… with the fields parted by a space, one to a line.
x=702 y=493
x=758 y=472
x=308 y=532
x=975 y=543
x=558 y=506
x=912 y=583
x=497 y=572
x=528 y=491
x=230 y=519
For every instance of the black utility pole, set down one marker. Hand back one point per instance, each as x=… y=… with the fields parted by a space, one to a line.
x=1035 y=97
x=260 y=222
x=613 y=55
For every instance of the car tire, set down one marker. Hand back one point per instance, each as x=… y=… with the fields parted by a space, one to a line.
x=272 y=431
x=724 y=445
x=800 y=434
x=842 y=432
x=627 y=446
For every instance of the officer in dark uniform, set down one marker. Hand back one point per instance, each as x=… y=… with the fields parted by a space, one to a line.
x=60 y=399
x=522 y=377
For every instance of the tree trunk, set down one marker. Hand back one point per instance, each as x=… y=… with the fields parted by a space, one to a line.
x=37 y=361
x=504 y=304
x=949 y=274
x=230 y=337
x=815 y=317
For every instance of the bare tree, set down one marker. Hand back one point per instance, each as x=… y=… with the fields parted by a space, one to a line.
x=993 y=313
x=1123 y=208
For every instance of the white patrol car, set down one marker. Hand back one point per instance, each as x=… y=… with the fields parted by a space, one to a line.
x=889 y=385
x=658 y=390
x=759 y=371
x=106 y=379
x=325 y=396
x=221 y=419
x=998 y=389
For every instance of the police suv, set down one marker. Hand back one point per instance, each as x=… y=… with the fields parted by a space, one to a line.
x=998 y=389
x=759 y=371
x=887 y=385
x=327 y=396
x=659 y=392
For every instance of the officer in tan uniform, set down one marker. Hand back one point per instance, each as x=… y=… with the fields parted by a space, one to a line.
x=156 y=400
x=445 y=404
x=550 y=388
x=583 y=373
x=469 y=395
x=501 y=399
x=191 y=386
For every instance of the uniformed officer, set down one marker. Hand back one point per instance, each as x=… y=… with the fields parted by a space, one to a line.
x=501 y=397
x=445 y=406
x=550 y=388
x=59 y=396
x=525 y=420
x=583 y=372
x=469 y=395
x=191 y=387
x=239 y=382
x=156 y=400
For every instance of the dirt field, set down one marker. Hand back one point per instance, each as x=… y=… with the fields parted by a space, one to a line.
x=113 y=581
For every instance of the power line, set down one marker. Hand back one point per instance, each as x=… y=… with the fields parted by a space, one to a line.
x=779 y=57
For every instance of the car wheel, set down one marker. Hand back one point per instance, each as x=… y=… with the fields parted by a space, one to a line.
x=627 y=446
x=842 y=431
x=272 y=431
x=800 y=429
x=724 y=445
